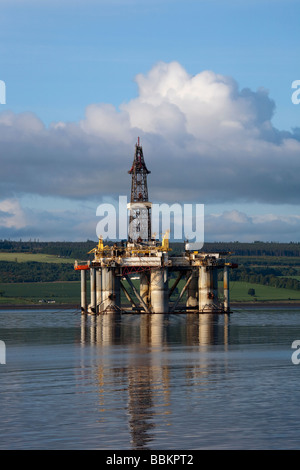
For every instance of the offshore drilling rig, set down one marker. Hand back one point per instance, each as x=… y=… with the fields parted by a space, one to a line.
x=150 y=260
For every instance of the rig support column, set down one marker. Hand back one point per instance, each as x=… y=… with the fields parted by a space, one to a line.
x=145 y=287
x=159 y=291
x=208 y=288
x=226 y=290
x=117 y=288
x=93 y=304
x=106 y=288
x=98 y=289
x=110 y=290
x=192 y=292
x=83 y=291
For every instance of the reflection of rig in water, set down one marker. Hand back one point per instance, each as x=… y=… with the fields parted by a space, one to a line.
x=112 y=266
x=147 y=377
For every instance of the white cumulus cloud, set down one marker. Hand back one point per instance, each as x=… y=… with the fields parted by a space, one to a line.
x=237 y=225
x=202 y=137
x=12 y=215
x=204 y=140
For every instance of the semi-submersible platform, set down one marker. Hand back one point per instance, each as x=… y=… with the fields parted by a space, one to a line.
x=192 y=276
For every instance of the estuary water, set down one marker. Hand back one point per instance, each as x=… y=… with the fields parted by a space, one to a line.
x=143 y=382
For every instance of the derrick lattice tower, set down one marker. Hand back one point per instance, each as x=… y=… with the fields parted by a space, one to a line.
x=139 y=206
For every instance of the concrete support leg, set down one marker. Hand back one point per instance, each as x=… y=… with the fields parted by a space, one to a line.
x=93 y=290
x=106 y=289
x=117 y=289
x=159 y=291
x=83 y=292
x=192 y=292
x=208 y=289
x=145 y=287
x=98 y=289
x=202 y=292
x=226 y=290
x=110 y=290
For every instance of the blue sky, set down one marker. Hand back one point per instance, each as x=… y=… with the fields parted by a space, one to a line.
x=110 y=70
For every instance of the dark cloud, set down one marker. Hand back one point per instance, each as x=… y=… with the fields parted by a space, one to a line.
x=202 y=138
x=204 y=141
x=81 y=225
x=236 y=225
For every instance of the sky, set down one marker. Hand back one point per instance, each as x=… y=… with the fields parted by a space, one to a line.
x=205 y=84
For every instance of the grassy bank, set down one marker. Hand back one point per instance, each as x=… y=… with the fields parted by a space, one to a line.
x=239 y=293
x=69 y=293
x=34 y=292
x=37 y=257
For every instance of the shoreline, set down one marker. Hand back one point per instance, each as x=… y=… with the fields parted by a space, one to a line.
x=266 y=303
x=40 y=307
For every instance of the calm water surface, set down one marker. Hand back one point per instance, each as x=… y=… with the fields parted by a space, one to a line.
x=150 y=382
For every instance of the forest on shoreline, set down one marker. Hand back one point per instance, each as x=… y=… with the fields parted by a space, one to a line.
x=78 y=250
x=270 y=264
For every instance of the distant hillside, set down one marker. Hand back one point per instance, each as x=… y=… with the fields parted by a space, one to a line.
x=256 y=248
x=78 y=250
x=269 y=264
x=74 y=250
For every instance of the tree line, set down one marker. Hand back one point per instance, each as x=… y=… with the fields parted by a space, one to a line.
x=255 y=249
x=32 y=271
x=279 y=275
x=74 y=250
x=275 y=277
x=80 y=249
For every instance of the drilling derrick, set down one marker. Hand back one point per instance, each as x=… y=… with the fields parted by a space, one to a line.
x=185 y=283
x=139 y=206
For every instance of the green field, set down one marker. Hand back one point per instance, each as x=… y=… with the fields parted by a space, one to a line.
x=239 y=293
x=270 y=261
x=69 y=293
x=51 y=277
x=33 y=292
x=38 y=257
